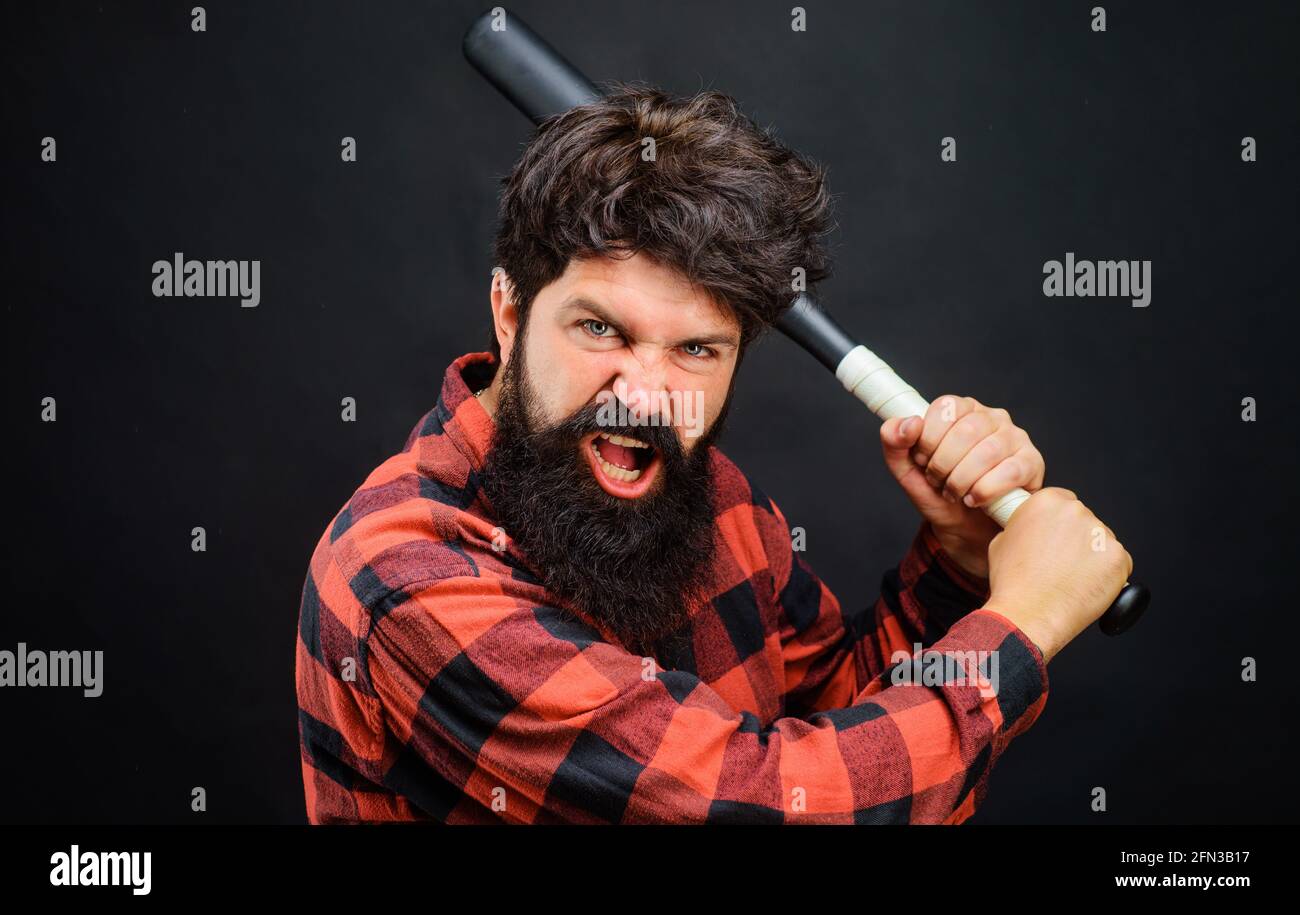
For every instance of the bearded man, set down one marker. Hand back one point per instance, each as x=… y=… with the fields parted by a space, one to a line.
x=561 y=603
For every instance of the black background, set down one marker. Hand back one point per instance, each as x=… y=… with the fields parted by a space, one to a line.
x=180 y=412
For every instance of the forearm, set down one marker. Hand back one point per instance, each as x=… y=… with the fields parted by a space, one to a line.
x=925 y=595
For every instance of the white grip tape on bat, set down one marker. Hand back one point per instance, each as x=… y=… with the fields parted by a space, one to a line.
x=870 y=379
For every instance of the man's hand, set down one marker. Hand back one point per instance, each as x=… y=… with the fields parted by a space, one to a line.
x=960 y=456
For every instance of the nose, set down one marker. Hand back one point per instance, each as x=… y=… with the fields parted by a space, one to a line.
x=642 y=383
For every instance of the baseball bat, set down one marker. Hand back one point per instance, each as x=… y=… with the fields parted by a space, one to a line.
x=540 y=82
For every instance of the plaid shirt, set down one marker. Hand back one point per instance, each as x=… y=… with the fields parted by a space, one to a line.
x=438 y=680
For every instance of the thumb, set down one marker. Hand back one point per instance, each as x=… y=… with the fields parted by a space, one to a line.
x=897 y=438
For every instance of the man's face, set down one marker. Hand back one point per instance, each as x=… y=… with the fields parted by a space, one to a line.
x=627 y=333
x=623 y=532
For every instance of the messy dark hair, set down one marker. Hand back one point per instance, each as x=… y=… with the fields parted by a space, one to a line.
x=723 y=202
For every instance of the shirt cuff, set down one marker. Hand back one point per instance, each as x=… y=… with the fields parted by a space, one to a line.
x=1022 y=682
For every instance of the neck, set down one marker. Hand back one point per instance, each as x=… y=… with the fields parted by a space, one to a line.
x=488 y=397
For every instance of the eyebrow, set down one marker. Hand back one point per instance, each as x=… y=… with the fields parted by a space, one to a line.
x=582 y=303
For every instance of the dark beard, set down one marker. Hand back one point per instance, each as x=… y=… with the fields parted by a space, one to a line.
x=632 y=564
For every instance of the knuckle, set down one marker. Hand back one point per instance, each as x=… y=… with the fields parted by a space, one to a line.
x=1035 y=458
x=965 y=426
x=1123 y=563
x=992 y=447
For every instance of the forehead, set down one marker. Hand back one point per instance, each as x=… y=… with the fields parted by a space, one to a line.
x=641 y=292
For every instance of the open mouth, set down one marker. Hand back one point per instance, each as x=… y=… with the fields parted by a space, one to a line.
x=623 y=466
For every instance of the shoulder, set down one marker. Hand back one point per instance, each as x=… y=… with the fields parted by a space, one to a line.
x=415 y=520
x=733 y=487
x=750 y=522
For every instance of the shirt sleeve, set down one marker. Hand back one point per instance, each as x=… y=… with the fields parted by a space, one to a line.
x=528 y=712
x=830 y=655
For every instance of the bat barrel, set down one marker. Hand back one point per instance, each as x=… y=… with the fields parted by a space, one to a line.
x=525 y=69
x=814 y=330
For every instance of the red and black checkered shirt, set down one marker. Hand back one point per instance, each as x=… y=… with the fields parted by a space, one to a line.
x=438 y=679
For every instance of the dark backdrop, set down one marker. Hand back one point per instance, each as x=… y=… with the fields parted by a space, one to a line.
x=180 y=412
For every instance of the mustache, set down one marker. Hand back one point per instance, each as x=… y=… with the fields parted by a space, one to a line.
x=587 y=420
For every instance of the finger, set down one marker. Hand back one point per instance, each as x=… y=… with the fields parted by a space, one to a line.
x=1034 y=459
x=897 y=437
x=896 y=443
x=942 y=413
x=982 y=459
x=960 y=438
x=1010 y=473
x=1063 y=492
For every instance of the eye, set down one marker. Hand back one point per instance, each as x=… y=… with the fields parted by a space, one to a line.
x=596 y=328
x=697 y=350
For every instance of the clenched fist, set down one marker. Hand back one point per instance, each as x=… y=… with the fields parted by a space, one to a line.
x=960 y=456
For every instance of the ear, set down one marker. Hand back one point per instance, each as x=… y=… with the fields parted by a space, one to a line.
x=505 y=312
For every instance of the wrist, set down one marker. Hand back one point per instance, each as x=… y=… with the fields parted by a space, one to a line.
x=1034 y=626
x=973 y=560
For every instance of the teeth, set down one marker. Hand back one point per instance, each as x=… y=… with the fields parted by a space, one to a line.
x=624 y=441
x=615 y=473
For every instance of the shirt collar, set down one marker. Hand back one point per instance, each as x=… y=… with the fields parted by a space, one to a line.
x=462 y=417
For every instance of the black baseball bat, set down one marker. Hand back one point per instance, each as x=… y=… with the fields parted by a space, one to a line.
x=540 y=82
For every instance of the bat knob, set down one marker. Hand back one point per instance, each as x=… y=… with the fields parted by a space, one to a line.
x=1128 y=607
